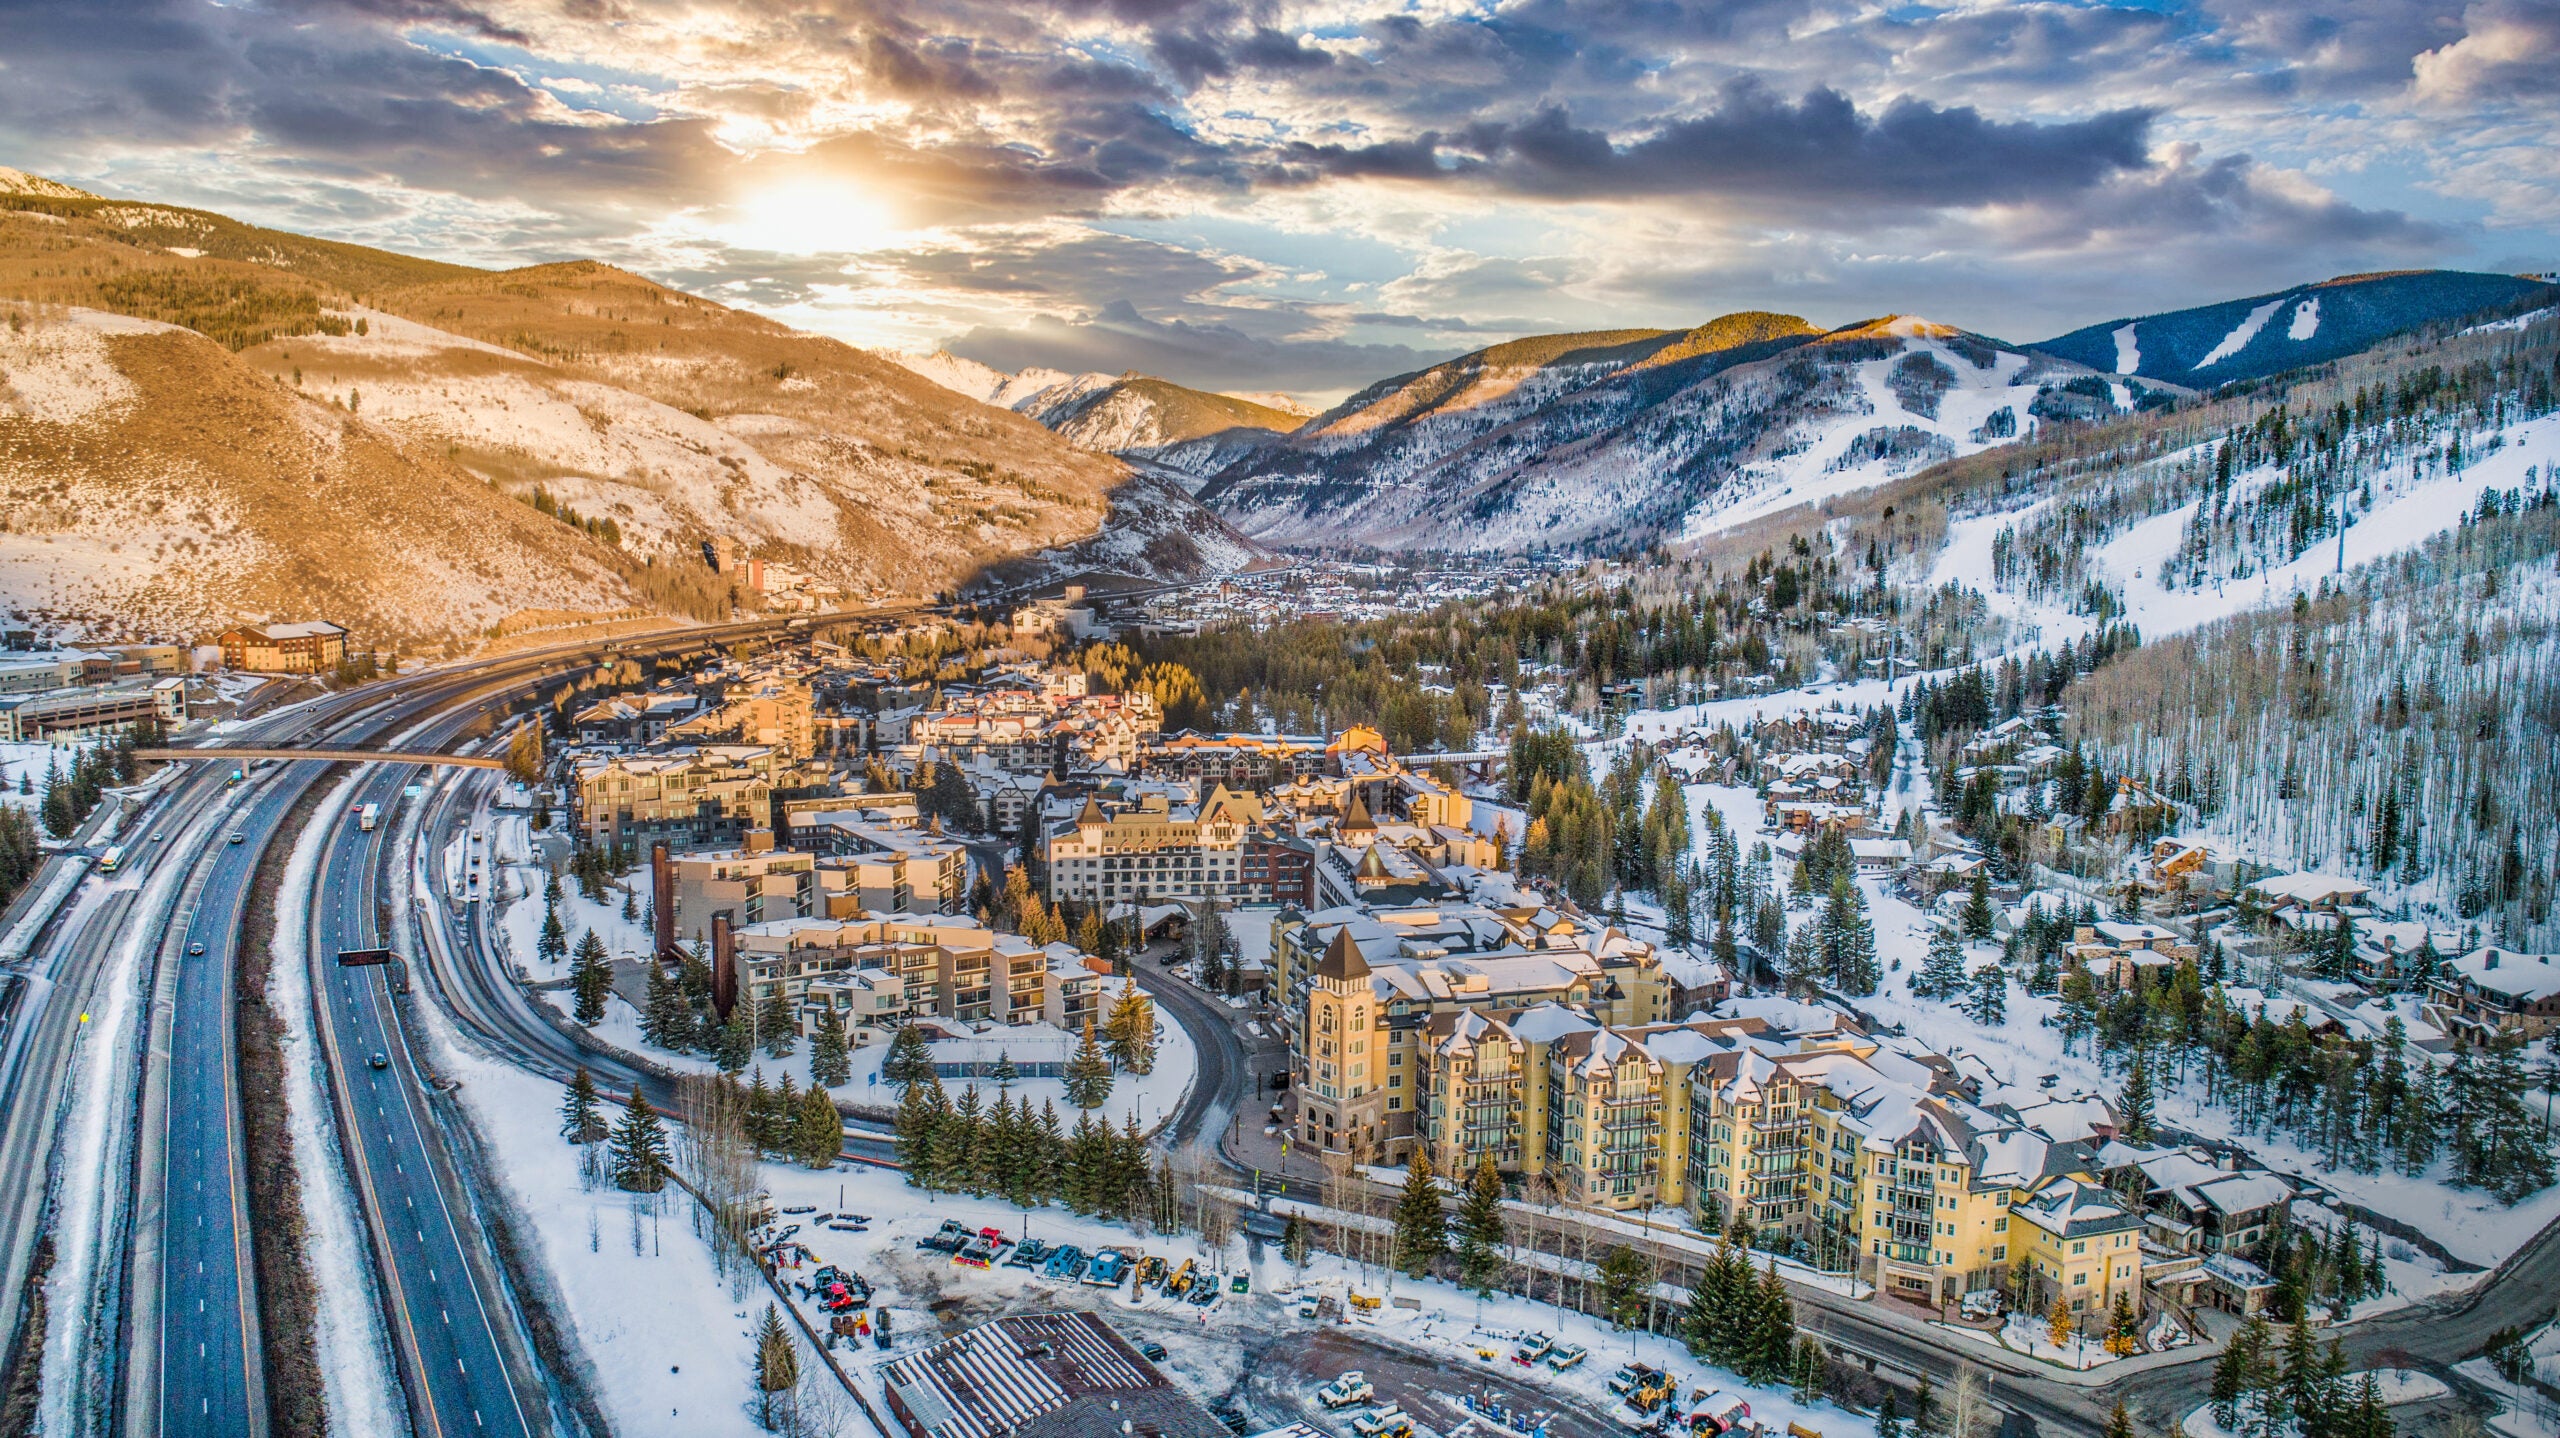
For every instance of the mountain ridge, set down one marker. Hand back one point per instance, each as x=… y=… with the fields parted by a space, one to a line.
x=593 y=390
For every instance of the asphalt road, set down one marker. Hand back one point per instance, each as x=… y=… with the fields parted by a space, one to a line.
x=445 y=1327
x=209 y=1376
x=1220 y=1087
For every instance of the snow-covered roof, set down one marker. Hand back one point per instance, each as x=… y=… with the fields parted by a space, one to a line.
x=2309 y=889
x=2520 y=976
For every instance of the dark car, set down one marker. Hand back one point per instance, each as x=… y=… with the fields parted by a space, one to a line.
x=237 y=838
x=1152 y=1352
x=380 y=1061
x=195 y=950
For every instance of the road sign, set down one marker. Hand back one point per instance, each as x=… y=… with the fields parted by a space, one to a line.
x=360 y=958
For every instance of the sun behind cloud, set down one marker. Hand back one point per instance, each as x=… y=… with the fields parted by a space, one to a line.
x=812 y=215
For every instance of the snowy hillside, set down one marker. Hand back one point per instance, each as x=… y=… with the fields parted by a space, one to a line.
x=1934 y=398
x=2265 y=334
x=1624 y=438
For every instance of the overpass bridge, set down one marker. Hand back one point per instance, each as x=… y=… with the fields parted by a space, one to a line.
x=334 y=753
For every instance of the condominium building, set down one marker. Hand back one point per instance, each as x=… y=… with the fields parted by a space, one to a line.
x=943 y=967
x=689 y=798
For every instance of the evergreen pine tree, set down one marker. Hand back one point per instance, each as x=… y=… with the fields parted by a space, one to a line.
x=733 y=1044
x=760 y=1113
x=777 y=1366
x=1888 y=1417
x=1924 y=1411
x=1480 y=1228
x=666 y=1018
x=967 y=1129
x=919 y=1125
x=1422 y=1231
x=1088 y=1077
x=2119 y=1423
x=821 y=1129
x=830 y=1065
x=909 y=1061
x=1942 y=974
x=2133 y=1104
x=591 y=979
x=553 y=943
x=1775 y=1330
x=1131 y=1031
x=580 y=1122
x=1848 y=939
x=1989 y=1003
x=1979 y=918
x=637 y=1154
x=774 y=1027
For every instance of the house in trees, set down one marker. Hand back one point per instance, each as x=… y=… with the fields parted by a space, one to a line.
x=2497 y=991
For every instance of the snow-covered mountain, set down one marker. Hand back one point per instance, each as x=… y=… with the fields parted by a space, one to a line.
x=1139 y=417
x=1619 y=438
x=2266 y=334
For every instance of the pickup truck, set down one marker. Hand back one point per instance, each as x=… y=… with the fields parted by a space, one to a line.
x=1347 y=1390
x=1566 y=1355
x=1378 y=1421
x=1533 y=1346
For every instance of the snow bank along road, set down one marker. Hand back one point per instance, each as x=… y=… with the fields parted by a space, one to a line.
x=190 y=1337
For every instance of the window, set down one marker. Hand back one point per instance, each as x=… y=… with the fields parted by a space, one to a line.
x=2000 y=1224
x=2080 y=1247
x=2000 y=1253
x=1394 y=1103
x=2079 y=1280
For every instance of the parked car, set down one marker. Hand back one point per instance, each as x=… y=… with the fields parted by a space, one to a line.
x=1152 y=1352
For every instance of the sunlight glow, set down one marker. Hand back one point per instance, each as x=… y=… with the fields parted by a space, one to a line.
x=813 y=217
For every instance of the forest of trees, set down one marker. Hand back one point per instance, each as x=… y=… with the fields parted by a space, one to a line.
x=2395 y=726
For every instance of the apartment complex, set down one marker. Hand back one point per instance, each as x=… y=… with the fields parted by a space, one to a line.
x=312 y=647
x=692 y=797
x=1876 y=1156
x=881 y=970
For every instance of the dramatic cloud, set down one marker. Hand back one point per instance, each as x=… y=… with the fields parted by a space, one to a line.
x=1311 y=194
x=2505 y=54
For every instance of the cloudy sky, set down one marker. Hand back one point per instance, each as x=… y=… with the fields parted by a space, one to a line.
x=1270 y=195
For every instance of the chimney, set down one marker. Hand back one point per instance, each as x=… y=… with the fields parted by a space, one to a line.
x=2493 y=960
x=662 y=899
x=724 y=965
x=759 y=841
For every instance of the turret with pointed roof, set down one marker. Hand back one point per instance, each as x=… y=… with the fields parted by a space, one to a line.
x=1342 y=960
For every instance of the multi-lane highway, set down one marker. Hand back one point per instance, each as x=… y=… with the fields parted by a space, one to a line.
x=447 y=1320
x=192 y=1364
